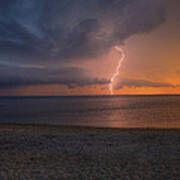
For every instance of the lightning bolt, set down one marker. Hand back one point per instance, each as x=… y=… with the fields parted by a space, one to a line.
x=113 y=78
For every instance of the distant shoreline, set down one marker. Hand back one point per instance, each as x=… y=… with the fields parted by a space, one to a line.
x=87 y=96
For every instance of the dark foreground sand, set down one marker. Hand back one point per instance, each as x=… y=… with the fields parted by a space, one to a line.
x=43 y=152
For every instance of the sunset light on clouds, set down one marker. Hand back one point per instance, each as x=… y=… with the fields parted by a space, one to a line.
x=71 y=52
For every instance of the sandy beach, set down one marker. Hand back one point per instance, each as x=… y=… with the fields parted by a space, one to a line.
x=50 y=152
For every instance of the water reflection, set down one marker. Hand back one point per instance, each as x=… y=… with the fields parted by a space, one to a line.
x=133 y=111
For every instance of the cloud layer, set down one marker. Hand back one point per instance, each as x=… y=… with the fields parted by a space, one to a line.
x=68 y=29
x=43 y=31
x=140 y=83
x=15 y=76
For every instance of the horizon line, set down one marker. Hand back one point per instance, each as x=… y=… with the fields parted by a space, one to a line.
x=97 y=95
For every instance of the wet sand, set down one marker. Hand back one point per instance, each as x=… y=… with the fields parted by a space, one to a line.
x=50 y=152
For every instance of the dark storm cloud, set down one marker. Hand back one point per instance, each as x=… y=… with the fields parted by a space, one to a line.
x=44 y=31
x=21 y=76
x=66 y=29
x=140 y=83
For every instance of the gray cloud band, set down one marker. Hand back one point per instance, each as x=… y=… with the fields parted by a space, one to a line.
x=26 y=76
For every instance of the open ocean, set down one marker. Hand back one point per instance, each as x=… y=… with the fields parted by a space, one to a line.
x=97 y=111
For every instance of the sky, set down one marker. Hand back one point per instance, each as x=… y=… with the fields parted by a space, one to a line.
x=67 y=47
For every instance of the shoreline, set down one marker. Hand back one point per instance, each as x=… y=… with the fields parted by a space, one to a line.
x=71 y=127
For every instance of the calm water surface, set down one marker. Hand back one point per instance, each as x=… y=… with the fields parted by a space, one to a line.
x=102 y=111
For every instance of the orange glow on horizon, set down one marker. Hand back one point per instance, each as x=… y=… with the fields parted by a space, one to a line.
x=58 y=90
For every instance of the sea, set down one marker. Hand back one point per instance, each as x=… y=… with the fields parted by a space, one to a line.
x=142 y=111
